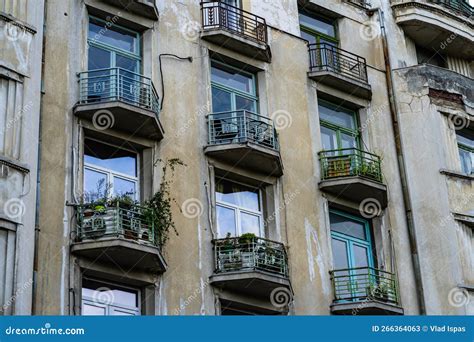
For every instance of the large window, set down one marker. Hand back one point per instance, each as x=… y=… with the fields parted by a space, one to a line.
x=238 y=209
x=316 y=29
x=232 y=89
x=112 y=46
x=109 y=171
x=338 y=127
x=103 y=299
x=465 y=140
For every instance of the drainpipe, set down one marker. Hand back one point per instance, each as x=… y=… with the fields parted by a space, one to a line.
x=401 y=164
x=38 y=176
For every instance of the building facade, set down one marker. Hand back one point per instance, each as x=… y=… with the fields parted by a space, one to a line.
x=317 y=158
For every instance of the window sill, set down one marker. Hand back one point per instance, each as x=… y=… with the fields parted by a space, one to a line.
x=457 y=174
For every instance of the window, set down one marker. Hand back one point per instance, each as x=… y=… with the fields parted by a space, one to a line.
x=316 y=29
x=232 y=89
x=103 y=299
x=112 y=46
x=338 y=127
x=465 y=140
x=238 y=209
x=351 y=248
x=430 y=56
x=109 y=170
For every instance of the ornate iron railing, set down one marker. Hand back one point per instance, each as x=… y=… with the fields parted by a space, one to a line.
x=326 y=57
x=117 y=220
x=241 y=126
x=238 y=254
x=233 y=19
x=348 y=162
x=117 y=84
x=364 y=283
x=460 y=6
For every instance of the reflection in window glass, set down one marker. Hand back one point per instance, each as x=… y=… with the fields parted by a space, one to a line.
x=317 y=24
x=347 y=226
x=465 y=140
x=99 y=32
x=226 y=221
x=231 y=77
x=237 y=194
x=337 y=117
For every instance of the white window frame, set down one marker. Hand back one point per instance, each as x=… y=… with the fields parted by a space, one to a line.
x=111 y=174
x=110 y=308
x=238 y=210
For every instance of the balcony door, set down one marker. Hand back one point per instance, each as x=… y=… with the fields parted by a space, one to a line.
x=113 y=62
x=104 y=299
x=352 y=254
x=233 y=94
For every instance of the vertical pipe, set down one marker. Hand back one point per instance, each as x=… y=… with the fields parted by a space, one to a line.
x=402 y=167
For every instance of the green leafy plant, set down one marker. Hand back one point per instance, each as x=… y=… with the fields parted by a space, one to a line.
x=247 y=238
x=157 y=210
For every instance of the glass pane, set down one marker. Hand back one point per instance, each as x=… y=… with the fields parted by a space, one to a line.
x=109 y=294
x=126 y=63
x=347 y=226
x=348 y=141
x=237 y=194
x=98 y=59
x=339 y=253
x=311 y=38
x=225 y=221
x=337 y=116
x=465 y=138
x=230 y=77
x=110 y=157
x=250 y=224
x=114 y=36
x=121 y=312
x=221 y=100
x=318 y=24
x=361 y=259
x=329 y=138
x=93 y=310
x=124 y=187
x=467 y=160
x=95 y=185
x=244 y=103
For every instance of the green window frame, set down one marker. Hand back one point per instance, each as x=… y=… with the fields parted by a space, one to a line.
x=340 y=130
x=319 y=37
x=234 y=92
x=114 y=50
x=465 y=139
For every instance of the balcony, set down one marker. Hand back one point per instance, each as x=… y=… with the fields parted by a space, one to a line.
x=144 y=8
x=235 y=29
x=365 y=291
x=254 y=266
x=118 y=234
x=352 y=174
x=119 y=99
x=244 y=139
x=339 y=69
x=442 y=24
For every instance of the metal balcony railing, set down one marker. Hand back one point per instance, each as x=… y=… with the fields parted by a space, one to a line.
x=117 y=84
x=361 y=3
x=117 y=220
x=236 y=254
x=364 y=284
x=461 y=6
x=348 y=162
x=233 y=19
x=241 y=126
x=326 y=57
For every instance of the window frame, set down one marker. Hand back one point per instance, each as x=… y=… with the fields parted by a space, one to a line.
x=136 y=311
x=253 y=96
x=111 y=174
x=238 y=209
x=316 y=34
x=341 y=129
x=470 y=150
x=114 y=50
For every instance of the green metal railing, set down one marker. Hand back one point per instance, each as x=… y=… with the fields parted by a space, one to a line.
x=117 y=220
x=349 y=162
x=235 y=254
x=364 y=283
x=241 y=126
x=117 y=84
